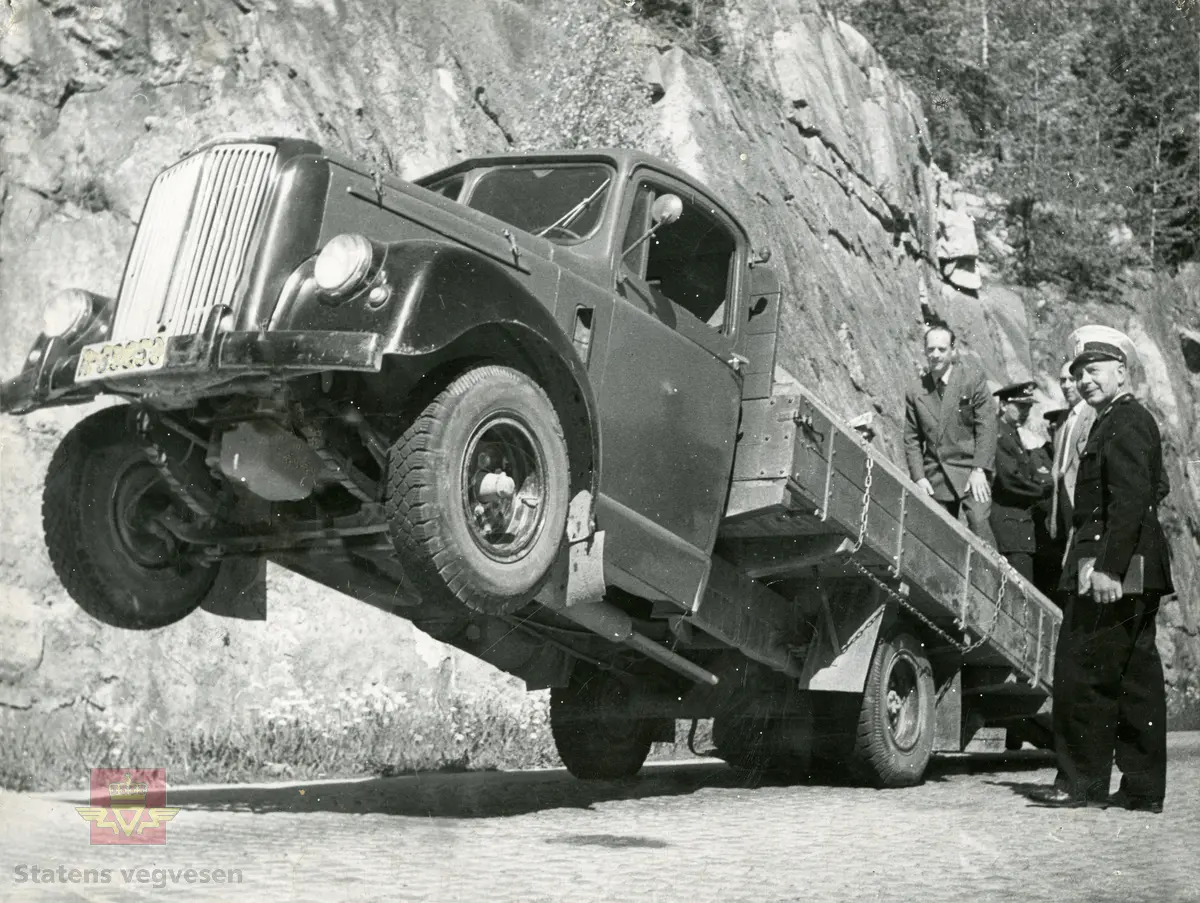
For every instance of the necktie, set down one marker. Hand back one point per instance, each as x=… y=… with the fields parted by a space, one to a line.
x=1056 y=471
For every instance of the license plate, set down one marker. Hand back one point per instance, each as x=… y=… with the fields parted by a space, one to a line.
x=103 y=360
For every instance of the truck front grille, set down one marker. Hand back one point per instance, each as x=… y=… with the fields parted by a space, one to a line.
x=193 y=240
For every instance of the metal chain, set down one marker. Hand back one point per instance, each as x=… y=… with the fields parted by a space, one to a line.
x=1025 y=626
x=908 y=606
x=904 y=603
x=986 y=635
x=866 y=504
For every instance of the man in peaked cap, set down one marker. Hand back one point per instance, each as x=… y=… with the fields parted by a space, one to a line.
x=1109 y=696
x=1022 y=480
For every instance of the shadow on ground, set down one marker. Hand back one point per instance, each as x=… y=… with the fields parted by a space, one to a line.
x=502 y=794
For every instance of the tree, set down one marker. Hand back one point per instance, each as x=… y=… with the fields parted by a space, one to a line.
x=1152 y=55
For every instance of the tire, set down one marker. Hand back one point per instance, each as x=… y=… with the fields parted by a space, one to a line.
x=894 y=738
x=747 y=740
x=596 y=737
x=100 y=493
x=459 y=539
x=762 y=741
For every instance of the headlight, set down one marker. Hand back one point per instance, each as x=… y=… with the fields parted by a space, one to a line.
x=66 y=313
x=343 y=263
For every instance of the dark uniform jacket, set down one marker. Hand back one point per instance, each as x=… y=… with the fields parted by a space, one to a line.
x=1022 y=480
x=1120 y=486
x=946 y=437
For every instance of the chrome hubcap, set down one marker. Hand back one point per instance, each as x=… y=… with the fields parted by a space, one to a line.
x=903 y=703
x=504 y=485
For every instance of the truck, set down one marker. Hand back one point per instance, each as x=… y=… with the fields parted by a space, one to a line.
x=529 y=403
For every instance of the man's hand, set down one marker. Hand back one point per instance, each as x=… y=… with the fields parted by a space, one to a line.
x=1106 y=589
x=981 y=489
x=926 y=485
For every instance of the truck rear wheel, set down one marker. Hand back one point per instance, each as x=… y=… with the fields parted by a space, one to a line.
x=596 y=735
x=746 y=743
x=99 y=507
x=478 y=490
x=894 y=738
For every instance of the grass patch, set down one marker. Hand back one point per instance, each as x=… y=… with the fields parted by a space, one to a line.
x=372 y=732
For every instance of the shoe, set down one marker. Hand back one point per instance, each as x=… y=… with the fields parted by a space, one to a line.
x=1136 y=803
x=1061 y=798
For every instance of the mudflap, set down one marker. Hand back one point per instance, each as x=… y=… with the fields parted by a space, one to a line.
x=240 y=590
x=577 y=576
x=841 y=652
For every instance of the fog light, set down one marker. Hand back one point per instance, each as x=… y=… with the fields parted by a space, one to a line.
x=66 y=313
x=343 y=263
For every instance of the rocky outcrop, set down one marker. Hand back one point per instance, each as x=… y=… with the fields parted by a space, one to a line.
x=795 y=120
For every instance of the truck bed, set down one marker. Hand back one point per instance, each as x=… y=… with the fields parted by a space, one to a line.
x=812 y=499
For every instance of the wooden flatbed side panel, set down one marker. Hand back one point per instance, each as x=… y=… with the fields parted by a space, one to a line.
x=938 y=585
x=769 y=557
x=765 y=437
x=829 y=472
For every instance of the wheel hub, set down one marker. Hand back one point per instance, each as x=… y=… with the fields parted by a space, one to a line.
x=139 y=498
x=902 y=703
x=504 y=484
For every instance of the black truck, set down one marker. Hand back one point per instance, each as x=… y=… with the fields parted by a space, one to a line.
x=527 y=403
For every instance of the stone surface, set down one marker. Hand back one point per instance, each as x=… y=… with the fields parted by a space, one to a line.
x=819 y=149
x=693 y=832
x=21 y=635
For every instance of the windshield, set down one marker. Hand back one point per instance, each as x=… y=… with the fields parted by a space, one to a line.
x=563 y=203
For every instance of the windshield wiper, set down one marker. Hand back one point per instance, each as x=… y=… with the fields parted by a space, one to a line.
x=570 y=216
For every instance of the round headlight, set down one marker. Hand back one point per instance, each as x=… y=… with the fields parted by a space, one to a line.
x=66 y=313
x=343 y=263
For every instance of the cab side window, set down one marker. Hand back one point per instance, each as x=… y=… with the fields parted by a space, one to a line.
x=689 y=262
x=450 y=188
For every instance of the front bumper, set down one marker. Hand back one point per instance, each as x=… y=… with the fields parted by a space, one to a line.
x=48 y=376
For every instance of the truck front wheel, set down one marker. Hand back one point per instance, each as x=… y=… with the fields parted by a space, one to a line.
x=99 y=508
x=894 y=738
x=596 y=735
x=478 y=489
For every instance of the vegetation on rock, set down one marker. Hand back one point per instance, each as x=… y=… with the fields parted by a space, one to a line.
x=1082 y=114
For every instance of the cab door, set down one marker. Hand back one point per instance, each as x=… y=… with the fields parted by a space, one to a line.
x=670 y=393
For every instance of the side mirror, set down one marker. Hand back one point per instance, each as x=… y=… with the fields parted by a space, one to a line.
x=664 y=211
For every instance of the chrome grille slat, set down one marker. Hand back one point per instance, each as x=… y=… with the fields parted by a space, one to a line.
x=188 y=282
x=175 y=305
x=228 y=215
x=192 y=244
x=155 y=249
x=254 y=182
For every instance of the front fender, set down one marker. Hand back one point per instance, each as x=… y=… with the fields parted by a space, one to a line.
x=459 y=295
x=437 y=294
x=43 y=382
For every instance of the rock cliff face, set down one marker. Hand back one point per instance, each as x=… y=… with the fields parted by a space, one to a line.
x=794 y=119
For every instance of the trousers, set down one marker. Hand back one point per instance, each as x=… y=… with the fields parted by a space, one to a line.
x=1110 y=702
x=1022 y=562
x=978 y=516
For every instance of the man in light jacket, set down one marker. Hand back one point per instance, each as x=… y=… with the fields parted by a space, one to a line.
x=950 y=433
x=1069 y=442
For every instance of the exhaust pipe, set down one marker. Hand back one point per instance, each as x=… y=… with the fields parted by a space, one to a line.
x=613 y=624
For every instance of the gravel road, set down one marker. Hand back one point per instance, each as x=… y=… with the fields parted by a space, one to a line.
x=693 y=832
